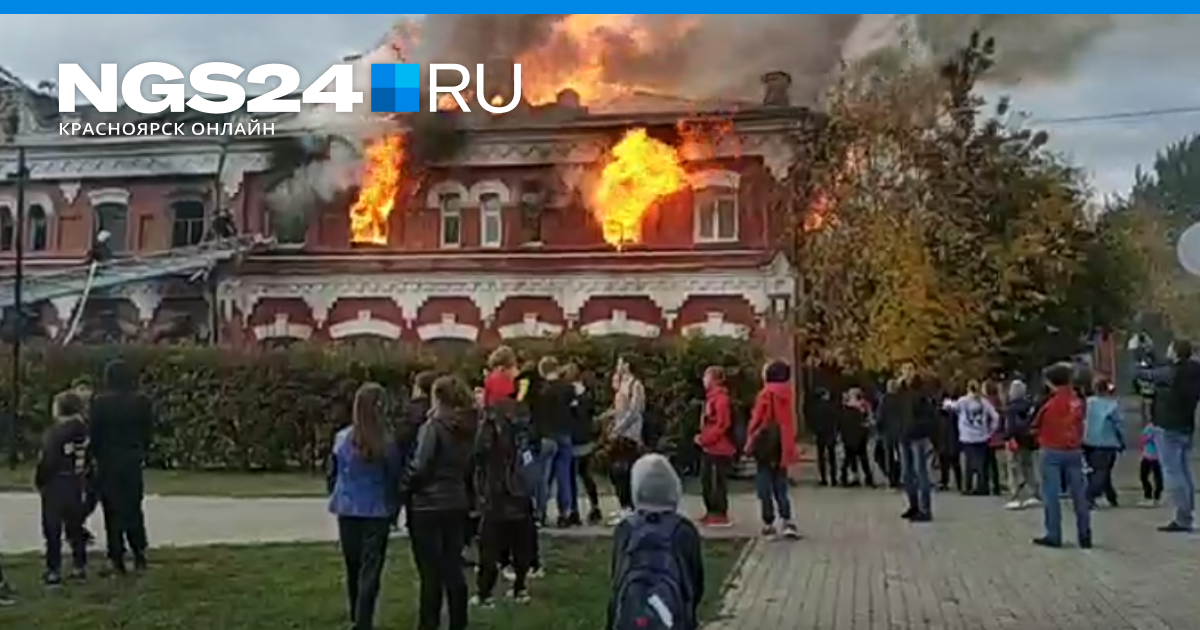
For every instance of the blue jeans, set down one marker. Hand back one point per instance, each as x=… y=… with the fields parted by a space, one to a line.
x=774 y=495
x=547 y=451
x=1057 y=465
x=914 y=465
x=1175 y=451
x=562 y=470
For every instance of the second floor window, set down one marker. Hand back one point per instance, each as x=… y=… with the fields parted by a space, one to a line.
x=7 y=229
x=187 y=227
x=114 y=217
x=39 y=228
x=491 y=221
x=451 y=220
x=716 y=215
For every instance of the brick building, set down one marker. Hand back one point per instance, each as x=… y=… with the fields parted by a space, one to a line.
x=491 y=243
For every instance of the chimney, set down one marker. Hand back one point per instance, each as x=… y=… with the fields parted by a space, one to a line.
x=777 y=87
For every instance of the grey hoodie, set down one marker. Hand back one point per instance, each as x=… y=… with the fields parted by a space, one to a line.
x=656 y=486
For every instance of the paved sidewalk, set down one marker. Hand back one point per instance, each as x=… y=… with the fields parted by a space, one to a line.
x=863 y=568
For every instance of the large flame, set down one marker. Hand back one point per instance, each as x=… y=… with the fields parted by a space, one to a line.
x=581 y=53
x=640 y=171
x=377 y=197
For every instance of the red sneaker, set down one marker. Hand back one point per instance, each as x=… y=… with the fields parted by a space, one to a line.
x=719 y=521
x=706 y=519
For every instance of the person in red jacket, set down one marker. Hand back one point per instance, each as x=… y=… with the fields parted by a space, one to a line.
x=771 y=438
x=716 y=426
x=1059 y=429
x=501 y=380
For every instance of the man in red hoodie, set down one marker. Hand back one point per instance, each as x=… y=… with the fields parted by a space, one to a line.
x=716 y=426
x=1059 y=428
x=771 y=438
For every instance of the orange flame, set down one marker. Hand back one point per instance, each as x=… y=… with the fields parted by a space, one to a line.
x=582 y=51
x=640 y=172
x=377 y=197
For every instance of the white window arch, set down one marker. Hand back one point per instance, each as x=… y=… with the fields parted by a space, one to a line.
x=715 y=206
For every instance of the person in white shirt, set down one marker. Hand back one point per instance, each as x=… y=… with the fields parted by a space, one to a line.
x=977 y=421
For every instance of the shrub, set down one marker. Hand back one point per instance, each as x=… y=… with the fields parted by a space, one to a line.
x=278 y=409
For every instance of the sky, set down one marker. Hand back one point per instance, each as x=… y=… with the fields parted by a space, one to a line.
x=1146 y=64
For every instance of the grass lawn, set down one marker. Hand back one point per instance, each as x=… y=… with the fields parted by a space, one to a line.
x=299 y=586
x=250 y=485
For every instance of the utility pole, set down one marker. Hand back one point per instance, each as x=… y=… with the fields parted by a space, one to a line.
x=11 y=128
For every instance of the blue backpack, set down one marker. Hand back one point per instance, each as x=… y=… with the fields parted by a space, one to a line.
x=652 y=593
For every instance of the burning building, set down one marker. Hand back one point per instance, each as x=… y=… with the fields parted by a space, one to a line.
x=647 y=216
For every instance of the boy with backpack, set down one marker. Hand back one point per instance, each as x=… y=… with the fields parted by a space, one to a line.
x=505 y=504
x=657 y=564
x=771 y=438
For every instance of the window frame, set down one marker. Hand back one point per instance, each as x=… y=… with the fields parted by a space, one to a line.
x=8 y=229
x=707 y=213
x=189 y=223
x=496 y=212
x=33 y=223
x=444 y=213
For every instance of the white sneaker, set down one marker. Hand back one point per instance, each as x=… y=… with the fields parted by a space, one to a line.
x=1030 y=503
x=1014 y=505
x=1147 y=503
x=537 y=575
x=616 y=518
x=509 y=574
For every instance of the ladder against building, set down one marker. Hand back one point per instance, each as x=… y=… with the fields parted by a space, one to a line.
x=82 y=280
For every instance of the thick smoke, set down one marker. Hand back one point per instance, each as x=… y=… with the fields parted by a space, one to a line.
x=696 y=56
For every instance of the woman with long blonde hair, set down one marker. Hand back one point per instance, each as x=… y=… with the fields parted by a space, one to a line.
x=364 y=481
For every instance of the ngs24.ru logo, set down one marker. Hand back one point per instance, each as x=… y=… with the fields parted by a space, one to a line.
x=73 y=81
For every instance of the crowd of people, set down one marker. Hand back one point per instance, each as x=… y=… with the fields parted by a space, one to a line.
x=482 y=470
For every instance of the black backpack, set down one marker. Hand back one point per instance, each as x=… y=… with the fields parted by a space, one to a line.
x=652 y=592
x=768 y=443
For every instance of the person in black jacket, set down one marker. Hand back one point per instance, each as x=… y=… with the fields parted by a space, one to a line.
x=505 y=504
x=1177 y=392
x=949 y=451
x=436 y=489
x=583 y=440
x=416 y=412
x=825 y=417
x=122 y=428
x=917 y=423
x=855 y=431
x=894 y=409
x=553 y=416
x=61 y=481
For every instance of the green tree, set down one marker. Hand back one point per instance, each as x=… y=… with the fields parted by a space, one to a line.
x=930 y=231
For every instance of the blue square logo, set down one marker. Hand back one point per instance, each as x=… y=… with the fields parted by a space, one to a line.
x=395 y=87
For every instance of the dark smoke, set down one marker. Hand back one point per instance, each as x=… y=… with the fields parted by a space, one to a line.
x=724 y=56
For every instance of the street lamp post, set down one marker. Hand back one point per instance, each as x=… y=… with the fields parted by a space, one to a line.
x=12 y=123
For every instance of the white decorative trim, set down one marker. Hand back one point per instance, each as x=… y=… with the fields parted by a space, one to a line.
x=144 y=297
x=620 y=324
x=115 y=196
x=32 y=198
x=530 y=327
x=489 y=186
x=281 y=328
x=98 y=159
x=433 y=198
x=365 y=325
x=667 y=290
x=64 y=308
x=714 y=179
x=448 y=328
x=716 y=326
x=70 y=190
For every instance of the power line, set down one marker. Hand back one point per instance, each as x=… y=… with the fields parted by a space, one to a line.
x=1120 y=116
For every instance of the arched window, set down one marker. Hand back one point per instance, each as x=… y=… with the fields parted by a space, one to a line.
x=39 y=228
x=187 y=227
x=114 y=217
x=491 y=221
x=716 y=215
x=7 y=229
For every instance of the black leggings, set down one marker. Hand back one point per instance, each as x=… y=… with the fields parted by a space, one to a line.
x=514 y=539
x=1151 y=476
x=856 y=460
x=624 y=454
x=827 y=460
x=950 y=465
x=364 y=550
x=583 y=472
x=436 y=537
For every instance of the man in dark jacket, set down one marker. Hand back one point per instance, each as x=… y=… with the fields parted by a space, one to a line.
x=61 y=481
x=1177 y=392
x=122 y=425
x=895 y=410
x=915 y=429
x=504 y=503
x=552 y=413
x=826 y=412
x=436 y=489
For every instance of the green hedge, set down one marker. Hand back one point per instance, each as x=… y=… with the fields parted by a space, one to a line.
x=277 y=410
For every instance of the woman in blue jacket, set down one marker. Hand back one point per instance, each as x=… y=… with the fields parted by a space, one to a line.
x=364 y=482
x=1103 y=441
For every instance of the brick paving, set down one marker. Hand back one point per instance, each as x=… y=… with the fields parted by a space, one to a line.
x=860 y=567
